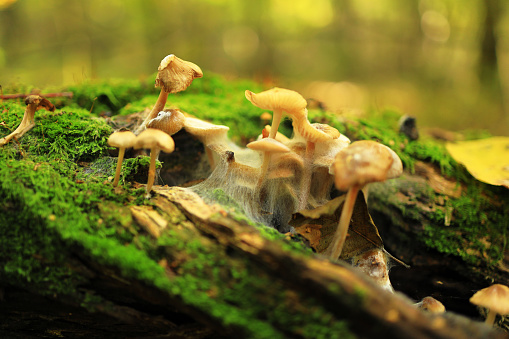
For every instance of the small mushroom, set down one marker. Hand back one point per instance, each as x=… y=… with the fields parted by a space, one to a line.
x=360 y=163
x=495 y=298
x=170 y=121
x=279 y=100
x=267 y=146
x=34 y=103
x=155 y=140
x=122 y=139
x=174 y=75
x=431 y=305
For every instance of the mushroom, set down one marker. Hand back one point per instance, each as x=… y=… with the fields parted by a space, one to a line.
x=279 y=100
x=122 y=139
x=267 y=146
x=313 y=134
x=495 y=298
x=431 y=305
x=174 y=75
x=34 y=103
x=212 y=136
x=360 y=163
x=170 y=121
x=156 y=140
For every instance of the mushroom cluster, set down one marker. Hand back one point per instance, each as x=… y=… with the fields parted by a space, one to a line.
x=274 y=176
x=151 y=138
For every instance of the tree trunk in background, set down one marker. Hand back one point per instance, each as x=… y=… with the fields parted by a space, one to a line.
x=489 y=71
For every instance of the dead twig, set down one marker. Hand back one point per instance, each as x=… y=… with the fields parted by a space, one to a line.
x=46 y=95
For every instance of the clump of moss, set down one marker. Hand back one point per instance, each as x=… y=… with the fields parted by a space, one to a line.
x=136 y=169
x=108 y=95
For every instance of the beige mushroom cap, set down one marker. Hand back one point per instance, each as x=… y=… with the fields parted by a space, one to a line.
x=153 y=138
x=363 y=162
x=175 y=75
x=283 y=99
x=432 y=305
x=170 y=121
x=40 y=102
x=122 y=139
x=495 y=297
x=205 y=131
x=314 y=132
x=268 y=145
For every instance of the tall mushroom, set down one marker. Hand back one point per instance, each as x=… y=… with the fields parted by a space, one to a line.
x=360 y=163
x=279 y=100
x=34 y=103
x=155 y=140
x=122 y=139
x=174 y=75
x=495 y=298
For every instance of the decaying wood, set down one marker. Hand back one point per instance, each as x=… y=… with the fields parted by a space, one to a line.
x=374 y=313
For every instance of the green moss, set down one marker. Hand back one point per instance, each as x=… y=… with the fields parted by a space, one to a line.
x=108 y=95
x=136 y=169
x=52 y=207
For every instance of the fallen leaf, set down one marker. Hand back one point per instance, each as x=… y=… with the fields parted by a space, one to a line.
x=486 y=159
x=318 y=226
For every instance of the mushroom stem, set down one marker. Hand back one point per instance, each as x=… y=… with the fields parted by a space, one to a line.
x=275 y=123
x=27 y=123
x=210 y=157
x=264 y=168
x=305 y=184
x=338 y=240
x=158 y=107
x=490 y=318
x=121 y=152
x=152 y=169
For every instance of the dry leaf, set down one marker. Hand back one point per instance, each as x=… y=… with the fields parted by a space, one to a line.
x=318 y=226
x=486 y=159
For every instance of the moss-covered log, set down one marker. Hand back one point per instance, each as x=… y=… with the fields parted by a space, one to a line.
x=190 y=269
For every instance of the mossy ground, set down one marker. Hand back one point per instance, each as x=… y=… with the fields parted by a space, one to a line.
x=53 y=199
x=55 y=204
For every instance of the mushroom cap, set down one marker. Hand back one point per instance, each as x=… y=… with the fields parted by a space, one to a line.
x=363 y=162
x=154 y=138
x=170 y=121
x=314 y=132
x=40 y=102
x=205 y=131
x=283 y=99
x=175 y=75
x=268 y=145
x=122 y=139
x=495 y=297
x=432 y=305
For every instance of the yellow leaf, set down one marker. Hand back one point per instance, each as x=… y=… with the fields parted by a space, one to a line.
x=486 y=159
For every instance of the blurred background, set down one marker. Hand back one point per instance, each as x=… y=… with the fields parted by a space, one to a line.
x=444 y=61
